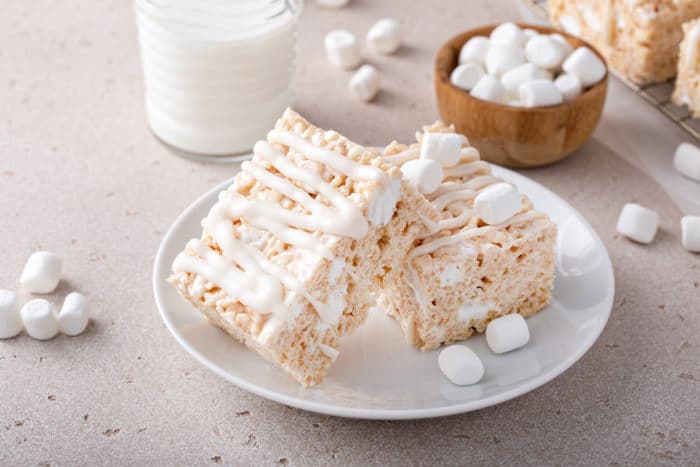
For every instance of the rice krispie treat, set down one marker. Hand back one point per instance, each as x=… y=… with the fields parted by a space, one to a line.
x=290 y=251
x=465 y=273
x=639 y=38
x=687 y=90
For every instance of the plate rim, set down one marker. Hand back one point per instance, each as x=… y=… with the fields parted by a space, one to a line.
x=373 y=413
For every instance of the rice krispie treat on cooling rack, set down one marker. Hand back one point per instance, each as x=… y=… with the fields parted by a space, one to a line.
x=639 y=38
x=290 y=251
x=687 y=90
x=466 y=272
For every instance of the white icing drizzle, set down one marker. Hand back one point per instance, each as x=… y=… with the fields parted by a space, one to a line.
x=245 y=273
x=405 y=156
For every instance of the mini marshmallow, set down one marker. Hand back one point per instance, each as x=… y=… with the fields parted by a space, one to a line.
x=569 y=86
x=385 y=36
x=585 y=65
x=563 y=43
x=10 y=324
x=39 y=319
x=365 y=83
x=577 y=251
x=475 y=50
x=522 y=74
x=690 y=233
x=507 y=333
x=545 y=52
x=425 y=174
x=42 y=272
x=530 y=33
x=508 y=34
x=501 y=58
x=540 y=93
x=687 y=160
x=638 y=223
x=461 y=365
x=342 y=49
x=498 y=203
x=73 y=318
x=466 y=76
x=332 y=3
x=489 y=88
x=444 y=148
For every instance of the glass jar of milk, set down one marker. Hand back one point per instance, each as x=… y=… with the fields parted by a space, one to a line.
x=217 y=72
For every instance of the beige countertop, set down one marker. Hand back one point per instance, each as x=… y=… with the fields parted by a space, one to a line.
x=81 y=175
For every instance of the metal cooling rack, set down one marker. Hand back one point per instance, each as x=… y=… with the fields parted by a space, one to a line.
x=658 y=95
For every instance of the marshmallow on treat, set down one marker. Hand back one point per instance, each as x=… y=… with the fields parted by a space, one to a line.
x=10 y=324
x=385 y=36
x=466 y=76
x=39 y=319
x=332 y=3
x=342 y=49
x=489 y=88
x=73 y=318
x=539 y=93
x=444 y=148
x=507 y=333
x=586 y=65
x=474 y=50
x=508 y=34
x=502 y=58
x=42 y=272
x=498 y=203
x=365 y=83
x=522 y=74
x=545 y=52
x=569 y=86
x=638 y=223
x=425 y=174
x=686 y=160
x=690 y=233
x=460 y=365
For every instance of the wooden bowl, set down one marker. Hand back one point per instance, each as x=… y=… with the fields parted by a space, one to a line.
x=517 y=136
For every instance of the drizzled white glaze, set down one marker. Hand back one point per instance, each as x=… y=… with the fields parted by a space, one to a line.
x=244 y=272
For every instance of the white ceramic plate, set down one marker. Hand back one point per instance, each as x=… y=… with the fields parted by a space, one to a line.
x=378 y=375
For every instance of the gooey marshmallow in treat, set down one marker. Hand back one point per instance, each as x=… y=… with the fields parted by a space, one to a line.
x=41 y=273
x=425 y=174
x=444 y=148
x=686 y=160
x=507 y=333
x=585 y=65
x=342 y=49
x=498 y=203
x=690 y=233
x=539 y=93
x=73 y=318
x=365 y=83
x=39 y=319
x=460 y=365
x=385 y=36
x=638 y=223
x=10 y=324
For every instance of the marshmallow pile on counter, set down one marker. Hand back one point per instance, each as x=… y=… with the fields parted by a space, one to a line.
x=463 y=367
x=343 y=51
x=640 y=223
x=524 y=68
x=41 y=275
